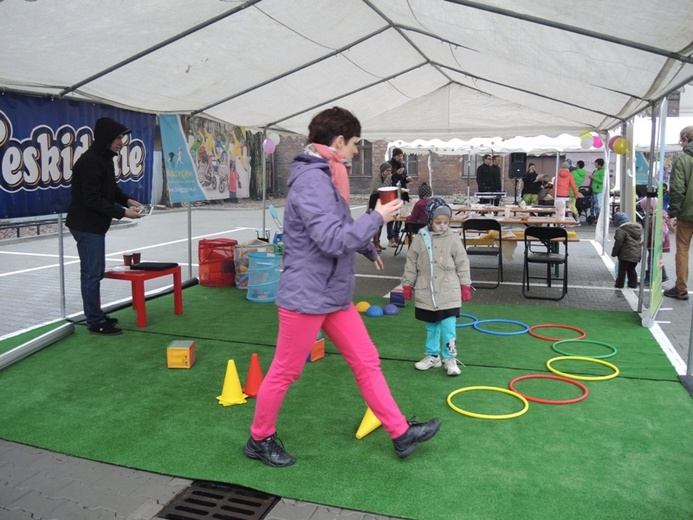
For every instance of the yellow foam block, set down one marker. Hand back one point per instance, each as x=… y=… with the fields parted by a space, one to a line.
x=180 y=354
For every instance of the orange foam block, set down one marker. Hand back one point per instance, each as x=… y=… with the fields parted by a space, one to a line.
x=180 y=354
x=318 y=351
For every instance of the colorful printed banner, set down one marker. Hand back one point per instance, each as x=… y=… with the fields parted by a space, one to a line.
x=40 y=141
x=204 y=160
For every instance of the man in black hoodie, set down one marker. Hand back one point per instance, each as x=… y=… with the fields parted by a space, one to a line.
x=96 y=201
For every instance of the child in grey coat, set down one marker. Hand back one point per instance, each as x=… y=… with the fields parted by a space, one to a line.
x=627 y=248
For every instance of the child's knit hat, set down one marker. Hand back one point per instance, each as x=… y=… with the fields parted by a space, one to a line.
x=434 y=208
x=620 y=218
x=424 y=190
x=385 y=166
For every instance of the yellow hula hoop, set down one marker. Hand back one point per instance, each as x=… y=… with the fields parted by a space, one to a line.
x=485 y=416
x=583 y=378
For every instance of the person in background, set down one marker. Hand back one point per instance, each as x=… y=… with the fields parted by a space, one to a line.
x=579 y=173
x=681 y=208
x=497 y=178
x=316 y=289
x=545 y=191
x=597 y=184
x=484 y=178
x=530 y=186
x=95 y=201
x=381 y=178
x=418 y=213
x=436 y=273
x=565 y=189
x=650 y=206
x=627 y=248
x=400 y=178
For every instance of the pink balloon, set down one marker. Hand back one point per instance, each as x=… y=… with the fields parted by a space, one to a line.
x=597 y=142
x=268 y=146
x=612 y=141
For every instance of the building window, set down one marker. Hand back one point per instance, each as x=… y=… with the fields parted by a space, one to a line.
x=412 y=165
x=362 y=164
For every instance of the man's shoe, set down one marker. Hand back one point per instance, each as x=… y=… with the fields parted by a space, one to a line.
x=392 y=243
x=428 y=362
x=417 y=433
x=270 y=451
x=112 y=321
x=674 y=293
x=451 y=366
x=105 y=329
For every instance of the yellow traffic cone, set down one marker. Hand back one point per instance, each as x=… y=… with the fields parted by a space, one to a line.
x=231 y=393
x=369 y=423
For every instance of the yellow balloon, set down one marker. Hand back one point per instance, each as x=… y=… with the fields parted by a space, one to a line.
x=362 y=306
x=621 y=145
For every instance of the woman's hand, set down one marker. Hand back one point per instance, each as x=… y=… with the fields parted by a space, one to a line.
x=378 y=263
x=388 y=211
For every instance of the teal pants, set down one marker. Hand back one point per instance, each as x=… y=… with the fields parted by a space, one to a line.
x=447 y=329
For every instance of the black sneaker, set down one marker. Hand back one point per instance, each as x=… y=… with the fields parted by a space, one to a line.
x=105 y=329
x=112 y=321
x=270 y=451
x=417 y=433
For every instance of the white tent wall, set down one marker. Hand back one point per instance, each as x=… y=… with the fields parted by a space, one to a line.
x=422 y=68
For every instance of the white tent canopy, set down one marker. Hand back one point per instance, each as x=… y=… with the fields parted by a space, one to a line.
x=543 y=145
x=420 y=68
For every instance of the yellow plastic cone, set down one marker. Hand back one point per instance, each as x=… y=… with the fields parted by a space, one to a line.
x=369 y=423
x=231 y=393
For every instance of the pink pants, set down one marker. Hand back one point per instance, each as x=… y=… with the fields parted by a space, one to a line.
x=297 y=333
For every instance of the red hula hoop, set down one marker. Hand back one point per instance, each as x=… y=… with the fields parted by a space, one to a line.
x=585 y=392
x=557 y=326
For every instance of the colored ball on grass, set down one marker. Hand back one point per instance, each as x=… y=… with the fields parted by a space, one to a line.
x=390 y=309
x=374 y=311
x=362 y=306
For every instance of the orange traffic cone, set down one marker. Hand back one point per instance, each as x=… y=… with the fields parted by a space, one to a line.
x=231 y=393
x=252 y=382
x=369 y=423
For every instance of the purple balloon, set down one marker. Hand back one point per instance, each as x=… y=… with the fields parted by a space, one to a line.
x=268 y=146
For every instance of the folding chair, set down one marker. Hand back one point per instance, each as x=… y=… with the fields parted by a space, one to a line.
x=409 y=229
x=542 y=246
x=479 y=226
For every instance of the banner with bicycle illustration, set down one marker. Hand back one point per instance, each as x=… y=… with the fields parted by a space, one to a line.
x=203 y=159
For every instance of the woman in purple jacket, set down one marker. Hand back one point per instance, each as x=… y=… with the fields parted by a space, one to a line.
x=317 y=286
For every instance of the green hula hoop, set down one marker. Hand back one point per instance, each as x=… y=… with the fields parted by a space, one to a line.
x=485 y=416
x=605 y=356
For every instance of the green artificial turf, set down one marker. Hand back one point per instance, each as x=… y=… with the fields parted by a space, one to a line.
x=623 y=452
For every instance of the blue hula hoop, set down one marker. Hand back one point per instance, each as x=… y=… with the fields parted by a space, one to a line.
x=516 y=333
x=476 y=320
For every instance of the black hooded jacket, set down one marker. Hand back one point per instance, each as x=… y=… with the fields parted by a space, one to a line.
x=96 y=199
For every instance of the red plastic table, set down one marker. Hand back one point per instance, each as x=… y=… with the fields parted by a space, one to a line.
x=137 y=279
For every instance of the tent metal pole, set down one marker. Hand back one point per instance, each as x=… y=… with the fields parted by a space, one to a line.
x=61 y=255
x=189 y=239
x=264 y=183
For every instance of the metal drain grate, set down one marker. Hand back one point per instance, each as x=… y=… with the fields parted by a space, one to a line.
x=213 y=500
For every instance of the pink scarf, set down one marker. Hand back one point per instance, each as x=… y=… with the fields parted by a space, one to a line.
x=340 y=175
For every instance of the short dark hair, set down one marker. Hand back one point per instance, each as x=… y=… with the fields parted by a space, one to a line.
x=329 y=124
x=599 y=162
x=487 y=156
x=581 y=164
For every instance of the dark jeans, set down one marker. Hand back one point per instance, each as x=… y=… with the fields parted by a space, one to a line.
x=393 y=229
x=627 y=269
x=91 y=248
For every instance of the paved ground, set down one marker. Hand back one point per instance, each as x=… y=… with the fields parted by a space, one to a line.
x=40 y=485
